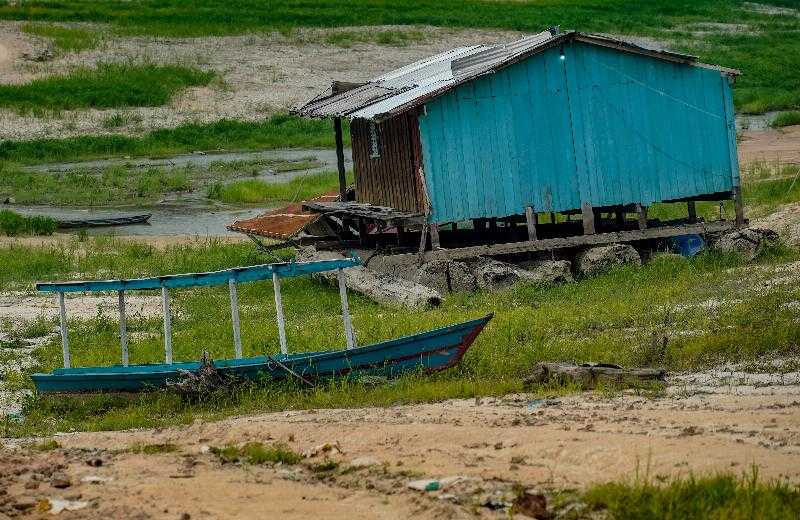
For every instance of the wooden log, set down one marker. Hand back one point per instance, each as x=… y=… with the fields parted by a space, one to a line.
x=738 y=206
x=434 y=231
x=691 y=209
x=337 y=129
x=641 y=211
x=587 y=375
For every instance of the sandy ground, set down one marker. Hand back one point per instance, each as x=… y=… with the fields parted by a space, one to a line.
x=260 y=73
x=715 y=421
x=770 y=146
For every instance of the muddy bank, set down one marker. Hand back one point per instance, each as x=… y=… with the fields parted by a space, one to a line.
x=723 y=420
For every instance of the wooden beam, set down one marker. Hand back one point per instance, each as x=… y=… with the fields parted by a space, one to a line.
x=568 y=242
x=692 y=211
x=588 y=218
x=337 y=128
x=738 y=205
x=167 y=325
x=276 y=286
x=530 y=218
x=641 y=211
x=123 y=328
x=62 y=315
x=237 y=331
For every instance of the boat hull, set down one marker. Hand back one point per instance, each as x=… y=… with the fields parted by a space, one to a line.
x=103 y=222
x=429 y=351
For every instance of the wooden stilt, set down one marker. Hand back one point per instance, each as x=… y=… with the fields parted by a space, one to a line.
x=434 y=231
x=348 y=323
x=738 y=206
x=167 y=326
x=641 y=211
x=588 y=218
x=692 y=211
x=530 y=218
x=63 y=322
x=337 y=129
x=237 y=333
x=123 y=328
x=276 y=284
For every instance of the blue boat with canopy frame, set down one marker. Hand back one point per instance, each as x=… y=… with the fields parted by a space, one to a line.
x=428 y=351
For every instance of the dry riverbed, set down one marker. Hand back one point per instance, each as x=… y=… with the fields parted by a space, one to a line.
x=358 y=463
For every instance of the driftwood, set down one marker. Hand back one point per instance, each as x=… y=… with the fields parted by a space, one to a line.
x=205 y=380
x=587 y=375
x=383 y=288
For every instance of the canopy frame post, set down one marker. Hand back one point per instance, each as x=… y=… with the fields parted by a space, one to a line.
x=237 y=333
x=63 y=324
x=276 y=284
x=167 y=326
x=123 y=329
x=349 y=333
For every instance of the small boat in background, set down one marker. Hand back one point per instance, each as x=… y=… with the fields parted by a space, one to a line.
x=102 y=222
x=427 y=351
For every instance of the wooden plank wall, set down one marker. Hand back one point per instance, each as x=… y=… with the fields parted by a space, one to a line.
x=389 y=180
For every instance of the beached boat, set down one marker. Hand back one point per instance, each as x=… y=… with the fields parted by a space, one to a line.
x=102 y=222
x=427 y=351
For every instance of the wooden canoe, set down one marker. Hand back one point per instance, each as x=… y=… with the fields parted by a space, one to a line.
x=428 y=351
x=102 y=222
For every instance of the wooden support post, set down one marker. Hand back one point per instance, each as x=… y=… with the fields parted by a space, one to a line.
x=493 y=225
x=530 y=218
x=588 y=218
x=64 y=339
x=167 y=326
x=454 y=226
x=692 y=211
x=620 y=217
x=552 y=217
x=349 y=333
x=337 y=129
x=641 y=211
x=276 y=284
x=362 y=231
x=237 y=333
x=123 y=328
x=434 y=231
x=738 y=206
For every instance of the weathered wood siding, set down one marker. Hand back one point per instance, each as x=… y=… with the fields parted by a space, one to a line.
x=391 y=179
x=590 y=126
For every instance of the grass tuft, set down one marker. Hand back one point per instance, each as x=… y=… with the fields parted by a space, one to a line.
x=48 y=445
x=106 y=86
x=718 y=497
x=14 y=224
x=257 y=453
x=65 y=39
x=786 y=119
x=153 y=449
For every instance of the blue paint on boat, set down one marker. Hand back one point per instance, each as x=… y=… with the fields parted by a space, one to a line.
x=427 y=351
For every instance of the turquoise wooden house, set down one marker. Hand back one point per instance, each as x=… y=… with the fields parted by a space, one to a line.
x=558 y=122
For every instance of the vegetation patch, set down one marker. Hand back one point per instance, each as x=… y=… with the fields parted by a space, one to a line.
x=153 y=449
x=254 y=191
x=14 y=224
x=106 y=86
x=48 y=445
x=717 y=497
x=65 y=39
x=786 y=119
x=391 y=38
x=277 y=131
x=257 y=453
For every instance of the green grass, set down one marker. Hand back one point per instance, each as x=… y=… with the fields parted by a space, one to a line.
x=787 y=119
x=278 y=131
x=127 y=184
x=768 y=53
x=106 y=86
x=153 y=449
x=721 y=497
x=65 y=39
x=613 y=318
x=254 y=191
x=257 y=453
x=14 y=224
x=391 y=38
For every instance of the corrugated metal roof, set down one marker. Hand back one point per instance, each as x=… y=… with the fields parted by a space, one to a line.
x=411 y=85
x=282 y=223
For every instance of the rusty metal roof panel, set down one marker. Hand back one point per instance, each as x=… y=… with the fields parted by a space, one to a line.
x=282 y=223
x=409 y=86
